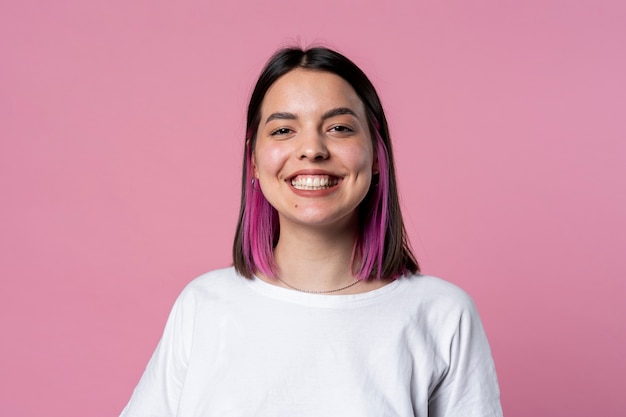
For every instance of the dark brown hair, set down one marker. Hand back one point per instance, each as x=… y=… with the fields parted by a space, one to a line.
x=381 y=244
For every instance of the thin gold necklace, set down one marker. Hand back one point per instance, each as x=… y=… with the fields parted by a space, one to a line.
x=320 y=292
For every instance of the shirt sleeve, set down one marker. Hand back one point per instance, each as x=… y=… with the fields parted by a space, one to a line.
x=469 y=387
x=160 y=387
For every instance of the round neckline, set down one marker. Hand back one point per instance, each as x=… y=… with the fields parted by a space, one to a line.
x=324 y=300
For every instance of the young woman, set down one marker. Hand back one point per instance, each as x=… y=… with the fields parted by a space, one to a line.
x=324 y=312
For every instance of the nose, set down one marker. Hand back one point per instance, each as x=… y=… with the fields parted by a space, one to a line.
x=312 y=146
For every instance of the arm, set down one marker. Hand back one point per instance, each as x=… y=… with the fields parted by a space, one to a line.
x=160 y=387
x=469 y=387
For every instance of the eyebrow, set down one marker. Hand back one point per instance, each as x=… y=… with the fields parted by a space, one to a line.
x=338 y=111
x=281 y=115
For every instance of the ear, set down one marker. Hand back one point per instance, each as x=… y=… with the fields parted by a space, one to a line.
x=252 y=160
x=255 y=170
x=375 y=169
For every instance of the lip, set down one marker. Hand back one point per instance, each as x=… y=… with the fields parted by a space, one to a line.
x=314 y=193
x=313 y=172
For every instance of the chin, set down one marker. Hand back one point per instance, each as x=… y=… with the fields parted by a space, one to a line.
x=322 y=221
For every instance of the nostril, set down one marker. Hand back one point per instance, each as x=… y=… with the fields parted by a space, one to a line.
x=315 y=155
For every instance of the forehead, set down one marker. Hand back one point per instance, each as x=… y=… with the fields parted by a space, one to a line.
x=304 y=90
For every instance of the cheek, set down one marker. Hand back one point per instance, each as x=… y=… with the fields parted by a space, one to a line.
x=360 y=159
x=269 y=159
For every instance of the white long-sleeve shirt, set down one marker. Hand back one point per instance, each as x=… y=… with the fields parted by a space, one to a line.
x=239 y=347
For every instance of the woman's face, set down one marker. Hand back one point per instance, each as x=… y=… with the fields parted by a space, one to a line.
x=313 y=156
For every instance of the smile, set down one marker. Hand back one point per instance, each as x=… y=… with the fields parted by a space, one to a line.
x=314 y=182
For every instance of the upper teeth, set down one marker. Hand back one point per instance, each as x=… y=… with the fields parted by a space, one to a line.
x=313 y=182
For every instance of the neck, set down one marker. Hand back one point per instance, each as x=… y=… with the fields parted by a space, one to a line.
x=315 y=259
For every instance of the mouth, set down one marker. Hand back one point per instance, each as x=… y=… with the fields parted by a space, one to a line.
x=314 y=182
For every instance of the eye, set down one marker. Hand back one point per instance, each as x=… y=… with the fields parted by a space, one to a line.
x=281 y=131
x=341 y=129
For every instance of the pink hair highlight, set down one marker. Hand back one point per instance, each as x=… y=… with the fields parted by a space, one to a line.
x=260 y=224
x=370 y=243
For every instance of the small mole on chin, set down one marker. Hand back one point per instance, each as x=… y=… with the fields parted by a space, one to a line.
x=296 y=206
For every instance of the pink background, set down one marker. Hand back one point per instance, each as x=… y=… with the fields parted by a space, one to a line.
x=121 y=126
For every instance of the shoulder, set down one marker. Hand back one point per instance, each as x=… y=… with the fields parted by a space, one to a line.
x=217 y=277
x=435 y=302
x=218 y=283
x=433 y=290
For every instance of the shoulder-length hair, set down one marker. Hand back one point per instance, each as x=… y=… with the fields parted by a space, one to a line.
x=381 y=248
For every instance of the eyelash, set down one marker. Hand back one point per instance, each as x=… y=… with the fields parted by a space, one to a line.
x=281 y=131
x=338 y=129
x=341 y=129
